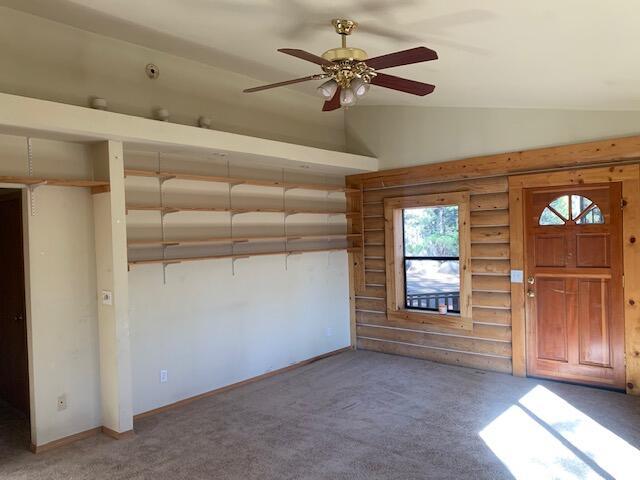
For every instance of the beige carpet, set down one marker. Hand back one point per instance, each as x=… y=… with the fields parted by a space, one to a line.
x=359 y=415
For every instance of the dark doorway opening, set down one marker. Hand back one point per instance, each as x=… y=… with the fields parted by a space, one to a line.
x=14 y=357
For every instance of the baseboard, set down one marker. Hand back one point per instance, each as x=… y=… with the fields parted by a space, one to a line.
x=61 y=442
x=65 y=440
x=120 y=435
x=117 y=435
x=186 y=401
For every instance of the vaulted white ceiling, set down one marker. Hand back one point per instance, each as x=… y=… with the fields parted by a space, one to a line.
x=579 y=54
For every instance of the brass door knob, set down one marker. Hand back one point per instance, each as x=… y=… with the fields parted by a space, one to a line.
x=531 y=294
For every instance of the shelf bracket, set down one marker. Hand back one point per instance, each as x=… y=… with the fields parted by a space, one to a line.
x=233 y=262
x=167 y=211
x=166 y=178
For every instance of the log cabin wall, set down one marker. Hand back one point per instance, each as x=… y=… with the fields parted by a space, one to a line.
x=488 y=345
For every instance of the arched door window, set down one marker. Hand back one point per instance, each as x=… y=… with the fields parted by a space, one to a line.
x=578 y=209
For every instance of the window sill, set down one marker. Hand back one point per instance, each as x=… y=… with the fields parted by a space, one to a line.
x=446 y=320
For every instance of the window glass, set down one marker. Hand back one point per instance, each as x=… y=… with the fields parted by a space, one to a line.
x=431 y=231
x=431 y=282
x=578 y=205
x=431 y=258
x=561 y=205
x=580 y=209
x=550 y=218
x=594 y=215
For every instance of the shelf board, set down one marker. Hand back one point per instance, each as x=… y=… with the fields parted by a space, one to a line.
x=168 y=175
x=58 y=182
x=169 y=261
x=172 y=209
x=230 y=240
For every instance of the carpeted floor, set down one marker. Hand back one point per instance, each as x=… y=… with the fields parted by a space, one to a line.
x=358 y=415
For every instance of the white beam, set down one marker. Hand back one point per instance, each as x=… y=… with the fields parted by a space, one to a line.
x=25 y=115
x=111 y=267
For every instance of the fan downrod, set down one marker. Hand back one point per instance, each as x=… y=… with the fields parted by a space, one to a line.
x=343 y=28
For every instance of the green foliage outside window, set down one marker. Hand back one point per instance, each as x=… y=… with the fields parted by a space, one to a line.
x=431 y=232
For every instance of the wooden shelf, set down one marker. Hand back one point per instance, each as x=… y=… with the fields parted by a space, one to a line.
x=230 y=240
x=58 y=182
x=169 y=261
x=168 y=175
x=171 y=209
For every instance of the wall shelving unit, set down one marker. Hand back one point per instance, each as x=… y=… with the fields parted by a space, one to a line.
x=235 y=211
x=57 y=182
x=166 y=175
x=239 y=239
x=170 y=261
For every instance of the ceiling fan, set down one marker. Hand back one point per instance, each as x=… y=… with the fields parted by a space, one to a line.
x=351 y=73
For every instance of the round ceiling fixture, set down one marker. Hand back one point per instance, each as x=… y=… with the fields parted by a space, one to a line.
x=152 y=70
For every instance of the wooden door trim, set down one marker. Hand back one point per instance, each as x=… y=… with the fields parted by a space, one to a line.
x=629 y=176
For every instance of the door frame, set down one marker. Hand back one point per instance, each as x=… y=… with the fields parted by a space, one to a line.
x=25 y=207
x=629 y=176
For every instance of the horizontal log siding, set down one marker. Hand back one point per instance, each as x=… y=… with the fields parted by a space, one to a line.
x=488 y=345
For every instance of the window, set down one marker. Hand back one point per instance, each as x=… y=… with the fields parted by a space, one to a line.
x=427 y=245
x=579 y=209
x=431 y=258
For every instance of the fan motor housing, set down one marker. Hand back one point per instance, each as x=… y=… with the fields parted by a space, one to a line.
x=337 y=54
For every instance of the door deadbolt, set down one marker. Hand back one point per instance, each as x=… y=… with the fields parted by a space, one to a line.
x=531 y=280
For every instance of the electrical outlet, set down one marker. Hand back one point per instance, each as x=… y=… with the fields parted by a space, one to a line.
x=62 y=402
x=164 y=376
x=107 y=297
x=329 y=331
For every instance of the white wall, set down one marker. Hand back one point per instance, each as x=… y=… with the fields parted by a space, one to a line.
x=62 y=313
x=404 y=136
x=209 y=328
x=48 y=60
x=61 y=288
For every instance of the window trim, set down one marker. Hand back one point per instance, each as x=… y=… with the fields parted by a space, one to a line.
x=394 y=254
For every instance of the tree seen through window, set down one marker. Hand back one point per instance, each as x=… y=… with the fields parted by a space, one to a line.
x=431 y=256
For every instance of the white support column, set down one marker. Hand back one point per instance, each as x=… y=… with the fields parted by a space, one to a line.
x=113 y=315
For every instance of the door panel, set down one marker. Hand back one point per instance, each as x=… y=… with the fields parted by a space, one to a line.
x=551 y=250
x=592 y=250
x=552 y=326
x=593 y=322
x=573 y=251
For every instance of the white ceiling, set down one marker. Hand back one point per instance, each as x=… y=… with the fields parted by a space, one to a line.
x=579 y=54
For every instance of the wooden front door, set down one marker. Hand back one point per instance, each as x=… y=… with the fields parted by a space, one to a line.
x=574 y=284
x=14 y=362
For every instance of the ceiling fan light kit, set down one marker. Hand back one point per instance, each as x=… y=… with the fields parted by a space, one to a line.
x=351 y=72
x=327 y=89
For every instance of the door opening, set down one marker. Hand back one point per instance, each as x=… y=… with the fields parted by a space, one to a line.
x=574 y=284
x=14 y=359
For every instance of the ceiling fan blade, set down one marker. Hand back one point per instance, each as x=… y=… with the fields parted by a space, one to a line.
x=402 y=84
x=309 y=57
x=405 y=57
x=282 y=84
x=334 y=103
